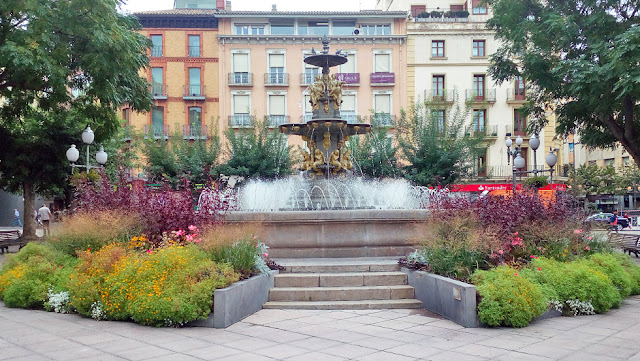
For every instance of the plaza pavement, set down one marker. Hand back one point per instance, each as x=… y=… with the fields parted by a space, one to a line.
x=322 y=335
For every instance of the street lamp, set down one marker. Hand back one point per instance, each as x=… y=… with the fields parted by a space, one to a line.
x=73 y=153
x=519 y=161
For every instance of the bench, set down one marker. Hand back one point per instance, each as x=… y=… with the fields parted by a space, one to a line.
x=10 y=238
x=627 y=242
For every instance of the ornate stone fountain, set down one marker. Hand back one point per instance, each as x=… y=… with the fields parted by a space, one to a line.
x=326 y=132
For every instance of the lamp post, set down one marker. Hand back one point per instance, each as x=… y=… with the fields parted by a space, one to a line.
x=73 y=153
x=519 y=161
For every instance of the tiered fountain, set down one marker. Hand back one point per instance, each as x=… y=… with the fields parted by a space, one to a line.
x=329 y=213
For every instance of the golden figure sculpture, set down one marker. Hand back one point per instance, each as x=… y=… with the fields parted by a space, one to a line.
x=346 y=160
x=319 y=161
x=335 y=91
x=307 y=162
x=334 y=161
x=316 y=92
x=327 y=141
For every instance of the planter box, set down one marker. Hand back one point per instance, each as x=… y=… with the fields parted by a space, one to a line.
x=241 y=299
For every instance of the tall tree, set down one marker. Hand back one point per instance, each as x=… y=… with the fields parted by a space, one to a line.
x=437 y=146
x=581 y=56
x=64 y=64
x=374 y=154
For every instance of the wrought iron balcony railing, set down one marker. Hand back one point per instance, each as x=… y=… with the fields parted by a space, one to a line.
x=278 y=79
x=193 y=132
x=240 y=121
x=194 y=92
x=276 y=120
x=194 y=51
x=241 y=79
x=159 y=91
x=156 y=132
x=481 y=95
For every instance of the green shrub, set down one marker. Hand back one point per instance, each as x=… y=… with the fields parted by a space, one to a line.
x=507 y=298
x=241 y=255
x=610 y=265
x=27 y=276
x=632 y=269
x=169 y=286
x=577 y=280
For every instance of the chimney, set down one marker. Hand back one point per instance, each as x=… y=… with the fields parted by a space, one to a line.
x=228 y=6
x=220 y=4
x=274 y=7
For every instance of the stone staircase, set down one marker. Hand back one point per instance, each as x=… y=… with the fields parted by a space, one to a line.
x=341 y=283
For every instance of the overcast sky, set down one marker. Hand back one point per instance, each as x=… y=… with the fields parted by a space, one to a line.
x=264 y=5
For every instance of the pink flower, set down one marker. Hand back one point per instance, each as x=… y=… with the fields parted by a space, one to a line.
x=539 y=269
x=515 y=234
x=190 y=237
x=587 y=248
x=180 y=232
x=589 y=238
x=265 y=254
x=148 y=251
x=532 y=256
x=500 y=251
x=577 y=231
x=193 y=228
x=515 y=274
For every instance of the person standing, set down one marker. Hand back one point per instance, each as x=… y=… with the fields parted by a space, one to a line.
x=16 y=218
x=45 y=216
x=613 y=221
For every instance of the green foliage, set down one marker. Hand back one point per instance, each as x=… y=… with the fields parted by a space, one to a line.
x=610 y=266
x=592 y=81
x=374 y=154
x=27 y=276
x=600 y=180
x=241 y=255
x=257 y=152
x=632 y=269
x=439 y=154
x=508 y=298
x=178 y=159
x=536 y=182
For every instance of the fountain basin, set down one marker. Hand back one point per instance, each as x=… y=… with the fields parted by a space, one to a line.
x=335 y=233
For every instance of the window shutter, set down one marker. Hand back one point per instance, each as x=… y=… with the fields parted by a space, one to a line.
x=350 y=65
x=241 y=104
x=276 y=60
x=383 y=103
x=157 y=116
x=241 y=63
x=348 y=103
x=276 y=105
x=307 y=105
x=382 y=63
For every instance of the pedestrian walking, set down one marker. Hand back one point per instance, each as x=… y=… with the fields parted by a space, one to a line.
x=45 y=216
x=16 y=218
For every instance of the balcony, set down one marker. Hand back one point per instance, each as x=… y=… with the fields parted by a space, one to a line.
x=480 y=96
x=489 y=131
x=193 y=132
x=276 y=120
x=350 y=117
x=276 y=79
x=440 y=16
x=506 y=171
x=351 y=79
x=240 y=121
x=440 y=96
x=194 y=92
x=520 y=130
x=517 y=95
x=240 y=79
x=305 y=118
x=383 y=120
x=156 y=132
x=194 y=51
x=159 y=92
x=382 y=79
x=156 y=52
x=308 y=78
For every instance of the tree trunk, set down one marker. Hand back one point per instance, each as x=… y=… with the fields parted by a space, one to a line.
x=29 y=228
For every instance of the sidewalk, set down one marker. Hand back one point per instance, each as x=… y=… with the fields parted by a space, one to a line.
x=322 y=335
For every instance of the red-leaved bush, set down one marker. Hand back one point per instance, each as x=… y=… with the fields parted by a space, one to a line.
x=160 y=209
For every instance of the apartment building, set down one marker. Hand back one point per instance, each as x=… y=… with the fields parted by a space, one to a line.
x=448 y=52
x=263 y=73
x=183 y=74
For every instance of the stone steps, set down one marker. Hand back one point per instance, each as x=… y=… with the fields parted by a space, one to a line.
x=344 y=283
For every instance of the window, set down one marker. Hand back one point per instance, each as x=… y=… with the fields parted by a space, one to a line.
x=437 y=49
x=479 y=119
x=417 y=9
x=308 y=111
x=194 y=82
x=249 y=29
x=609 y=162
x=157 y=121
x=348 y=108
x=438 y=87
x=195 y=117
x=478 y=48
x=314 y=28
x=126 y=116
x=478 y=87
x=156 y=82
x=477 y=8
x=310 y=73
x=382 y=63
x=519 y=88
x=350 y=65
x=241 y=111
x=276 y=69
x=241 y=68
x=156 y=41
x=375 y=29
x=277 y=110
x=626 y=161
x=343 y=27
x=194 y=46
x=439 y=117
x=519 y=122
x=382 y=108
x=282 y=29
x=481 y=165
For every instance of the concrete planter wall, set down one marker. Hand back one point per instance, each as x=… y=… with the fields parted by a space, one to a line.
x=241 y=299
x=452 y=299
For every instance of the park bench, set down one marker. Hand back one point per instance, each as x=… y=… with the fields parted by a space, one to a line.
x=627 y=242
x=10 y=238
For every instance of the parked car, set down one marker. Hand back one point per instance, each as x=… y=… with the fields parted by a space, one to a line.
x=603 y=220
